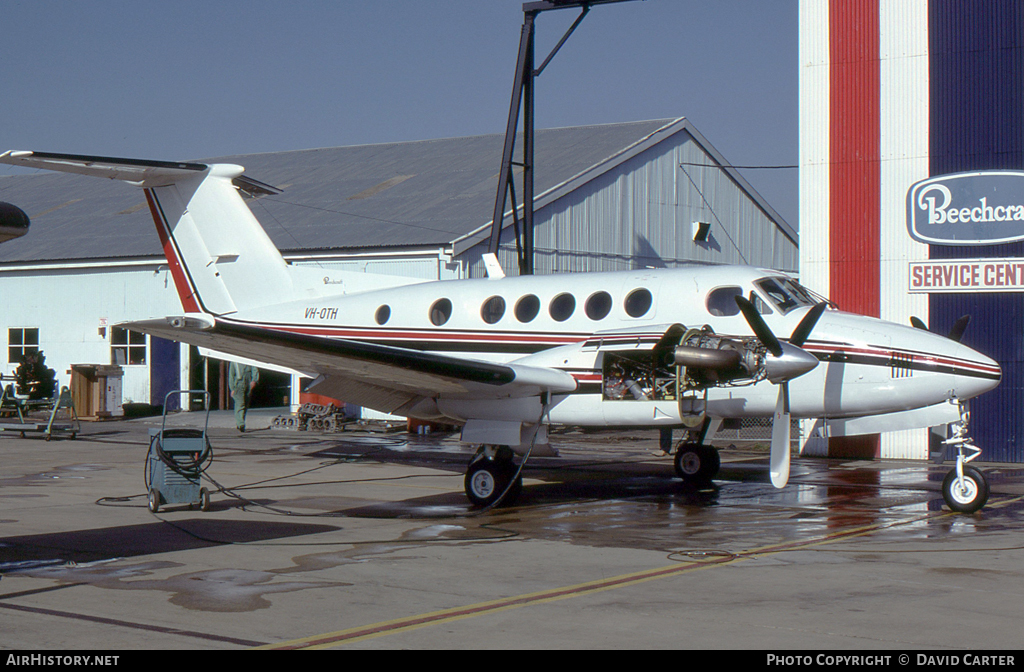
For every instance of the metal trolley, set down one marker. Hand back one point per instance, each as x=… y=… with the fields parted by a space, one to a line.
x=176 y=461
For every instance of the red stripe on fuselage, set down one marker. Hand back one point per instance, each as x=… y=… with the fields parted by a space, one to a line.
x=403 y=334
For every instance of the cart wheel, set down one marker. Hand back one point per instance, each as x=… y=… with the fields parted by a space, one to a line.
x=154 y=500
x=204 y=499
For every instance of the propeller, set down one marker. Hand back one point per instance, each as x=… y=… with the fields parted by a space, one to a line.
x=956 y=333
x=959 y=327
x=803 y=330
x=787 y=361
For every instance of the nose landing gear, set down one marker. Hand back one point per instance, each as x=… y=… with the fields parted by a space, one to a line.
x=965 y=488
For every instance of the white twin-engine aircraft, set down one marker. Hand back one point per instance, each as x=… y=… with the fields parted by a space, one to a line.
x=506 y=357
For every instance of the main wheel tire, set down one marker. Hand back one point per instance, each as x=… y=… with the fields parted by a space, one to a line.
x=968 y=498
x=696 y=463
x=487 y=480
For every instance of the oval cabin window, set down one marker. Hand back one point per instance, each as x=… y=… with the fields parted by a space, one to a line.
x=493 y=309
x=598 y=305
x=562 y=307
x=721 y=301
x=638 y=302
x=527 y=308
x=440 y=312
x=383 y=314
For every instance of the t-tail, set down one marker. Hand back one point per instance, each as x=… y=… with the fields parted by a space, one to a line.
x=220 y=257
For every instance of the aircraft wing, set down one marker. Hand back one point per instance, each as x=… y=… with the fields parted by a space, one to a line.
x=380 y=377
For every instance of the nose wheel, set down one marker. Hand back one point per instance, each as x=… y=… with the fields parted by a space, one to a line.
x=967 y=493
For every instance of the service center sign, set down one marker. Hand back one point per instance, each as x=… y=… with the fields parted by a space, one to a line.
x=979 y=208
x=967 y=275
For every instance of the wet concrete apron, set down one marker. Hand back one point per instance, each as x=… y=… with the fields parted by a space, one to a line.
x=307 y=521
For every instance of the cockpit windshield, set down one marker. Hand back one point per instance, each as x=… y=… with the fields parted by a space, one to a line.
x=785 y=293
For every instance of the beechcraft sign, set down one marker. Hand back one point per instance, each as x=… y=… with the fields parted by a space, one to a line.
x=979 y=208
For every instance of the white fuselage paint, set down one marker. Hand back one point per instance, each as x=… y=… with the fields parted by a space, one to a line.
x=868 y=366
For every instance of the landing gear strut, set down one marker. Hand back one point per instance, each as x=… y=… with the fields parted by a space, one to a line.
x=965 y=488
x=490 y=475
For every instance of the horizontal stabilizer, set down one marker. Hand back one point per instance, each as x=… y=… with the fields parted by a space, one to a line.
x=139 y=172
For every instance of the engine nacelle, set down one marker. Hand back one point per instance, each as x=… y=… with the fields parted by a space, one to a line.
x=13 y=222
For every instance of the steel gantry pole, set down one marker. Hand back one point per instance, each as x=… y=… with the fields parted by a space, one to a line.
x=523 y=98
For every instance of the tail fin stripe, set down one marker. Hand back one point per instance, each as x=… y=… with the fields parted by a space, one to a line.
x=182 y=282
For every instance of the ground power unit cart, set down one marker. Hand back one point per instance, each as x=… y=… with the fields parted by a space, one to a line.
x=176 y=461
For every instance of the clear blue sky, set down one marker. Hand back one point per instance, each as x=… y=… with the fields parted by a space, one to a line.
x=187 y=79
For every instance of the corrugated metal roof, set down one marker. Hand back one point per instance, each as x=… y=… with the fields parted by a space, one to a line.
x=409 y=194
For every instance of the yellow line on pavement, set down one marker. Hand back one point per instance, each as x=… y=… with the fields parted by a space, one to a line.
x=408 y=623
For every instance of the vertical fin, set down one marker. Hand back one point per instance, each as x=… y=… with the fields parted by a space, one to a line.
x=220 y=257
x=225 y=260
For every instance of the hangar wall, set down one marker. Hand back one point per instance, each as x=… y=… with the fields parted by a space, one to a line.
x=641 y=212
x=74 y=307
x=892 y=92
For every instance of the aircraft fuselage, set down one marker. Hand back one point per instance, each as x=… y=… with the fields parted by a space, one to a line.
x=585 y=323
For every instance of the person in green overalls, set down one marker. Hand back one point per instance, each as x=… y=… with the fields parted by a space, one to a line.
x=241 y=379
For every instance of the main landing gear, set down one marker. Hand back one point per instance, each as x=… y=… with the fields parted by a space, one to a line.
x=965 y=488
x=696 y=463
x=493 y=477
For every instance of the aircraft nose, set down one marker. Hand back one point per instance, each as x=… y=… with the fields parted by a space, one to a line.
x=975 y=373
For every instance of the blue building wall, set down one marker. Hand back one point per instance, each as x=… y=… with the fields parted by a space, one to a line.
x=976 y=60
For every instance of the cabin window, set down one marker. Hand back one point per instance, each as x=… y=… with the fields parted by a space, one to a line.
x=562 y=307
x=440 y=312
x=638 y=302
x=721 y=301
x=784 y=293
x=21 y=342
x=383 y=314
x=493 y=309
x=598 y=305
x=527 y=308
x=760 y=304
x=127 y=347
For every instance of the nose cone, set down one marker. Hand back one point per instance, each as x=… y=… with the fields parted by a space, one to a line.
x=792 y=363
x=974 y=373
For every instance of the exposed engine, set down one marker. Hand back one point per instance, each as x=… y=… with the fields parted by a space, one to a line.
x=707 y=359
x=684 y=363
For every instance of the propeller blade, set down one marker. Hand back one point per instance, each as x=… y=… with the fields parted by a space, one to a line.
x=760 y=329
x=959 y=327
x=955 y=334
x=779 y=461
x=803 y=330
